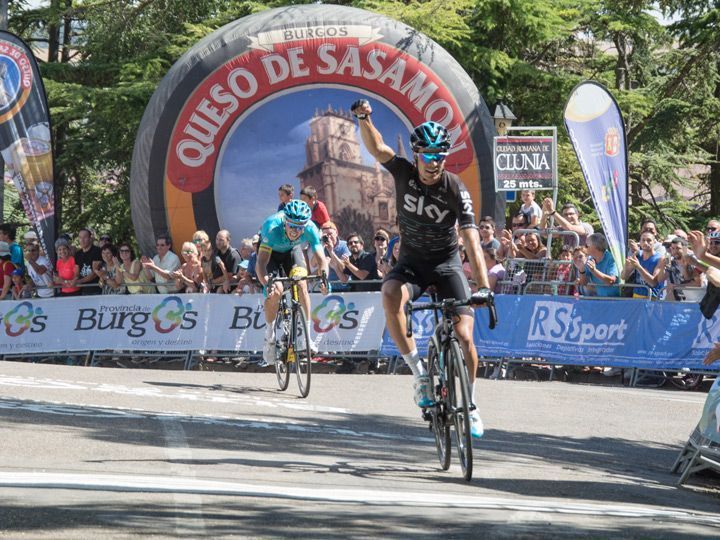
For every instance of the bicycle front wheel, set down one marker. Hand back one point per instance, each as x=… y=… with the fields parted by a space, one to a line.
x=459 y=394
x=303 y=354
x=438 y=413
x=281 y=350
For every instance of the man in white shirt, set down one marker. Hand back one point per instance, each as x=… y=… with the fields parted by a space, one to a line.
x=39 y=268
x=163 y=264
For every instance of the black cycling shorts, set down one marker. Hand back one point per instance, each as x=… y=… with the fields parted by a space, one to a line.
x=282 y=263
x=447 y=276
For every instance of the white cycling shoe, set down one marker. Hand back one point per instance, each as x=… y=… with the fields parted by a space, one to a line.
x=477 y=430
x=269 y=353
x=423 y=392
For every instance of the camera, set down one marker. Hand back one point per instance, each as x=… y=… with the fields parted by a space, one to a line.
x=325 y=239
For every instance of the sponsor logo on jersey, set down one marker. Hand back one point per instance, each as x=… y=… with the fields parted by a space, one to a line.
x=417 y=205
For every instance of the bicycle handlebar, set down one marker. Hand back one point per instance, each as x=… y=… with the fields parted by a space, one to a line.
x=484 y=297
x=322 y=277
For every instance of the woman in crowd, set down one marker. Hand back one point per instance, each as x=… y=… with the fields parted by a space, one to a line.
x=109 y=272
x=190 y=276
x=68 y=271
x=132 y=271
x=205 y=253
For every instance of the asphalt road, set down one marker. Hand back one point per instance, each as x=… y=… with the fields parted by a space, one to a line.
x=90 y=452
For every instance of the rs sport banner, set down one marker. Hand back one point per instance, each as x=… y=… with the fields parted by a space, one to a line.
x=344 y=323
x=265 y=101
x=597 y=132
x=624 y=333
x=25 y=141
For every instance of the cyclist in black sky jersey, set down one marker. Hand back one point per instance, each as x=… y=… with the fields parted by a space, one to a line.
x=430 y=201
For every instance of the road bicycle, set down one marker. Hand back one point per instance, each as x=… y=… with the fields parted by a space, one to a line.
x=449 y=378
x=292 y=345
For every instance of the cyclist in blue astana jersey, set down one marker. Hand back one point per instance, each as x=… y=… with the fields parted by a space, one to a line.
x=281 y=250
x=430 y=202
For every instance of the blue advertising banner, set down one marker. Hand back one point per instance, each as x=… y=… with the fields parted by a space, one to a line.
x=597 y=132
x=622 y=333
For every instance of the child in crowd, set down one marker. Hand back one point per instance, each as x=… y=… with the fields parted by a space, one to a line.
x=530 y=209
x=20 y=288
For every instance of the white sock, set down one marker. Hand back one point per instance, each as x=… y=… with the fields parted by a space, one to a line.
x=269 y=331
x=415 y=363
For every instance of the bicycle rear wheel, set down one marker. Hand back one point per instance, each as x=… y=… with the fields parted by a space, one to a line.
x=282 y=336
x=438 y=412
x=459 y=394
x=303 y=354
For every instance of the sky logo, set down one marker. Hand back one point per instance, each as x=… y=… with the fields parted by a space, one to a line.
x=554 y=322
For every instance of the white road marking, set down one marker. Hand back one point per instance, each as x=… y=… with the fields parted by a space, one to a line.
x=215 y=394
x=155 y=484
x=90 y=410
x=178 y=453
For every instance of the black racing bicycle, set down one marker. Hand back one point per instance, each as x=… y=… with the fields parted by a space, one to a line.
x=449 y=378
x=292 y=345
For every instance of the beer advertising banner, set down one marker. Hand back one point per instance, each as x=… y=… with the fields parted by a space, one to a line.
x=265 y=101
x=343 y=323
x=25 y=140
x=524 y=163
x=597 y=132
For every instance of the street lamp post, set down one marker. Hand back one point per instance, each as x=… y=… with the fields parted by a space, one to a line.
x=503 y=118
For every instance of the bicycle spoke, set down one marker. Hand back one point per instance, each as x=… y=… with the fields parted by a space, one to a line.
x=460 y=398
x=303 y=354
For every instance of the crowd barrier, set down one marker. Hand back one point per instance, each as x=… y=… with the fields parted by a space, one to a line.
x=567 y=330
x=575 y=331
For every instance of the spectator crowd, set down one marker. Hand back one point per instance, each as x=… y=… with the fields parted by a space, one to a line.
x=542 y=244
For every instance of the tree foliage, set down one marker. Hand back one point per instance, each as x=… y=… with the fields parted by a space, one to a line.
x=102 y=59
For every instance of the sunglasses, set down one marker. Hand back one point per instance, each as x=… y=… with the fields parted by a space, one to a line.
x=354 y=242
x=295 y=226
x=429 y=158
x=711 y=229
x=380 y=239
x=198 y=241
x=188 y=251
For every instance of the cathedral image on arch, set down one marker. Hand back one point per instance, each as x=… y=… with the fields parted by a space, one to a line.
x=347 y=186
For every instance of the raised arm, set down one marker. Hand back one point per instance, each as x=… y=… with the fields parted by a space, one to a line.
x=370 y=135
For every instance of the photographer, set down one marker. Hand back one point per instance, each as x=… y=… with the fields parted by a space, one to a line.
x=335 y=250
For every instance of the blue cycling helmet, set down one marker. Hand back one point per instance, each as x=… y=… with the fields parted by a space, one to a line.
x=430 y=137
x=297 y=212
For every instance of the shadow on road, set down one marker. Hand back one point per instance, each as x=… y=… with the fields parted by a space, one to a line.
x=380 y=446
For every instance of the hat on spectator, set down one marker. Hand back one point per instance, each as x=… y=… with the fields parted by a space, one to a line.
x=17 y=272
x=61 y=242
x=4 y=249
x=244 y=264
x=329 y=225
x=383 y=234
x=30 y=235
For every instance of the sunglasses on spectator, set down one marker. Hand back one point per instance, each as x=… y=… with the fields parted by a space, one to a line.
x=188 y=251
x=711 y=229
x=124 y=250
x=430 y=157
x=380 y=239
x=198 y=241
x=354 y=242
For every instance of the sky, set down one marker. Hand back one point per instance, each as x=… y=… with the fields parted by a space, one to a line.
x=266 y=148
